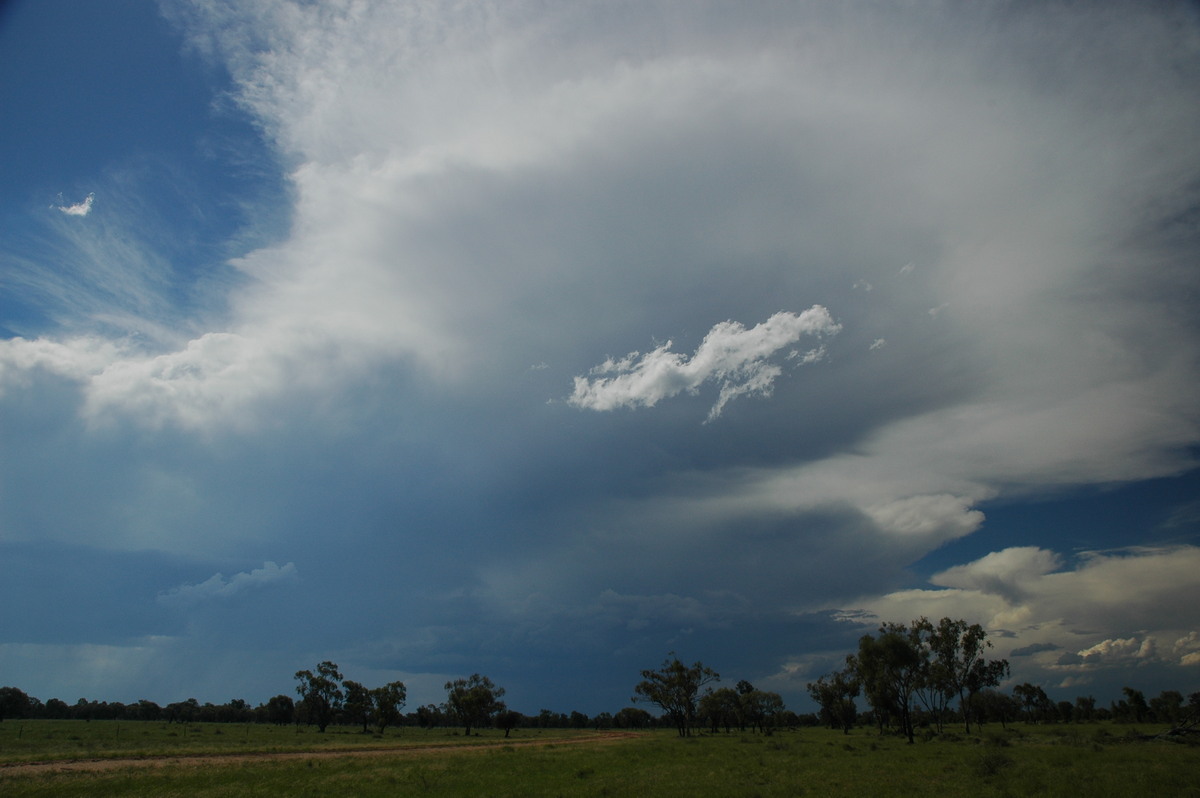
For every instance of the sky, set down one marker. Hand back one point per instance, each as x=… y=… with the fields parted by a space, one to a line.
x=541 y=340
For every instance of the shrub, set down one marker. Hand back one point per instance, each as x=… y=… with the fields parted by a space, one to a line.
x=991 y=763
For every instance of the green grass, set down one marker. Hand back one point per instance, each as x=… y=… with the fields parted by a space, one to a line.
x=42 y=740
x=1051 y=761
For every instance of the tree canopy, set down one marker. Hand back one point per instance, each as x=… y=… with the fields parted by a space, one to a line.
x=473 y=701
x=386 y=702
x=675 y=687
x=835 y=695
x=321 y=693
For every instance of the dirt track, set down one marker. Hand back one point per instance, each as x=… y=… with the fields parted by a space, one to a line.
x=197 y=760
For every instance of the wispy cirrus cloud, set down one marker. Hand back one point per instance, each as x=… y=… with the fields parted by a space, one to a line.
x=736 y=357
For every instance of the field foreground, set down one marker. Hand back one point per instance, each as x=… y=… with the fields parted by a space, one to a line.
x=66 y=758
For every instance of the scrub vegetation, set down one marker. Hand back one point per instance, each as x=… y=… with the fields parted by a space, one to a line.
x=1095 y=759
x=934 y=725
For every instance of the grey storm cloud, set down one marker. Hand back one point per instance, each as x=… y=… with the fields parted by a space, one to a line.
x=218 y=586
x=971 y=224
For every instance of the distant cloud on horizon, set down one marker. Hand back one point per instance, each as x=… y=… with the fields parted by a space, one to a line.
x=1047 y=606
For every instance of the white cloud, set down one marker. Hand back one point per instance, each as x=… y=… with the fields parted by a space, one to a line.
x=928 y=517
x=80 y=208
x=729 y=353
x=1006 y=573
x=453 y=193
x=1187 y=648
x=878 y=343
x=218 y=587
x=1118 y=652
x=1111 y=608
x=477 y=188
x=77 y=359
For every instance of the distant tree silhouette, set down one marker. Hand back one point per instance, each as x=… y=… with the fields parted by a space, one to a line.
x=14 y=703
x=281 y=710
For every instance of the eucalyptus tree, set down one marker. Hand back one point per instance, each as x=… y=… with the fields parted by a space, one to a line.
x=890 y=667
x=14 y=703
x=1033 y=700
x=1085 y=708
x=633 y=718
x=955 y=664
x=386 y=703
x=508 y=720
x=675 y=687
x=1137 y=707
x=761 y=709
x=721 y=708
x=320 y=693
x=358 y=705
x=473 y=701
x=835 y=696
x=1167 y=707
x=280 y=710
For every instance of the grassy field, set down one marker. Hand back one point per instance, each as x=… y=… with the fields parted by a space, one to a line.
x=41 y=740
x=1088 y=760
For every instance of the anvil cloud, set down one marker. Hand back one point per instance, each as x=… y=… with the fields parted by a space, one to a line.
x=904 y=291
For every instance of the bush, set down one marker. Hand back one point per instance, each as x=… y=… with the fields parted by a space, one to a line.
x=991 y=763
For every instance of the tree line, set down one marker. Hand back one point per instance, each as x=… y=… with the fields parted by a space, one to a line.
x=910 y=675
x=325 y=697
x=918 y=675
x=675 y=688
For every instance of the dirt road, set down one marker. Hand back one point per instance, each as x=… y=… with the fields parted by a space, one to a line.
x=200 y=760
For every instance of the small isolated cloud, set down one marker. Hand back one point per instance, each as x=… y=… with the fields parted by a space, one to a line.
x=907 y=269
x=811 y=356
x=542 y=366
x=730 y=353
x=862 y=285
x=79 y=208
x=218 y=587
x=878 y=343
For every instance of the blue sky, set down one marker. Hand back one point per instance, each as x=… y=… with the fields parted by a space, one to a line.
x=541 y=341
